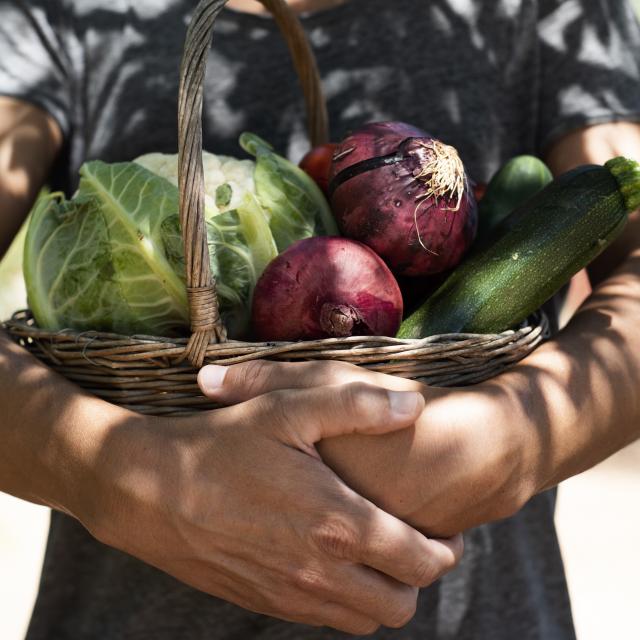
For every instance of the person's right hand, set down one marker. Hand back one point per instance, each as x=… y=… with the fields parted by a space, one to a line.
x=237 y=503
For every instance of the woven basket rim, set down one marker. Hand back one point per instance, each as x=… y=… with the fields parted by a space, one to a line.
x=23 y=318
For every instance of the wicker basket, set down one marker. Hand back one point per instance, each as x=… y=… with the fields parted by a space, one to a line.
x=157 y=375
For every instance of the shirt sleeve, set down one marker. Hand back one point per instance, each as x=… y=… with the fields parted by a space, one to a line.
x=32 y=57
x=590 y=65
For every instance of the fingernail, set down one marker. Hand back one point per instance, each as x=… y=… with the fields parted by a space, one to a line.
x=404 y=404
x=211 y=378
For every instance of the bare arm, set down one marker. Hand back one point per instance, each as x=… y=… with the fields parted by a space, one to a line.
x=48 y=425
x=30 y=139
x=34 y=444
x=479 y=453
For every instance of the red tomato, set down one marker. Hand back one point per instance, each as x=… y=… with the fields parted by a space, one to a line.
x=479 y=189
x=317 y=163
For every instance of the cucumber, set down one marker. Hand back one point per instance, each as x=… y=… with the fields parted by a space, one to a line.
x=518 y=180
x=548 y=239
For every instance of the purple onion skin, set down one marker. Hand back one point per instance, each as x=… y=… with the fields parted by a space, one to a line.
x=379 y=207
x=325 y=287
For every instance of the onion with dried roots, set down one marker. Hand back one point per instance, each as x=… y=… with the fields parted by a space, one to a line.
x=406 y=195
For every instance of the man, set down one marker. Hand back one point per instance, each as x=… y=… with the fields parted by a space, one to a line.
x=235 y=503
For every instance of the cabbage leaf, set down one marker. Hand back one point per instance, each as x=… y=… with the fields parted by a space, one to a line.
x=96 y=261
x=295 y=205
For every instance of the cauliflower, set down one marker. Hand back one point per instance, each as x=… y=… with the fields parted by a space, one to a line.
x=218 y=171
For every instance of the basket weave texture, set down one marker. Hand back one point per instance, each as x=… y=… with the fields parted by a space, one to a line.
x=157 y=375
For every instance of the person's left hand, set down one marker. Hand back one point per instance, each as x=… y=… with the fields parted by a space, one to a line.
x=471 y=457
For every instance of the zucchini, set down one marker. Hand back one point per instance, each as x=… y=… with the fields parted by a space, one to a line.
x=518 y=180
x=547 y=240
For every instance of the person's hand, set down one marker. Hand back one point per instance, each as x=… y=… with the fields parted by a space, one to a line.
x=237 y=503
x=466 y=462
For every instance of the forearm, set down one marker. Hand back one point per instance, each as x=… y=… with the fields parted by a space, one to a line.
x=51 y=432
x=566 y=407
x=583 y=386
x=49 y=429
x=584 y=401
x=596 y=145
x=409 y=473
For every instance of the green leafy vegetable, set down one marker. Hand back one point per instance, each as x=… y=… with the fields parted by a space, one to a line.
x=296 y=207
x=240 y=247
x=96 y=261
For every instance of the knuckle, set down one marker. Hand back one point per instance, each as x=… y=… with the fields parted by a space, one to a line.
x=363 y=401
x=252 y=375
x=307 y=580
x=424 y=573
x=364 y=628
x=335 y=537
x=341 y=372
x=402 y=614
x=332 y=372
x=274 y=404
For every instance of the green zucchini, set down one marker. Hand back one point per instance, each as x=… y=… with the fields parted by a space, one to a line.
x=518 y=180
x=548 y=239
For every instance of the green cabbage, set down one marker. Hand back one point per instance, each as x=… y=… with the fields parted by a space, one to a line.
x=97 y=261
x=294 y=203
x=240 y=247
x=111 y=258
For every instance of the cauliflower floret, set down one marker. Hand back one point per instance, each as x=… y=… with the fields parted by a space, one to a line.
x=163 y=164
x=218 y=170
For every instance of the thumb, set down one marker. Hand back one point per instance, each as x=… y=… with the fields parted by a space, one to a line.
x=302 y=417
x=239 y=382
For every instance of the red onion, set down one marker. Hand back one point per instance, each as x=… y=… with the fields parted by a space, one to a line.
x=404 y=194
x=326 y=287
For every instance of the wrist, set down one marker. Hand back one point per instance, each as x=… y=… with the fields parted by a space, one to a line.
x=531 y=445
x=119 y=464
x=514 y=446
x=550 y=419
x=87 y=438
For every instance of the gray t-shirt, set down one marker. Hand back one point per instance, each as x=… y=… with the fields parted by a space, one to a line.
x=494 y=78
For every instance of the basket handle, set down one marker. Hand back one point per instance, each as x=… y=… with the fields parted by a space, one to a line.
x=206 y=323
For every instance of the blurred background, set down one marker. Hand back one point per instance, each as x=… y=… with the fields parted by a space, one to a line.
x=598 y=519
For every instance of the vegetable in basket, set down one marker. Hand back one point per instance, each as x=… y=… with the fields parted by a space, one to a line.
x=404 y=194
x=546 y=241
x=515 y=182
x=326 y=287
x=317 y=163
x=295 y=205
x=111 y=258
